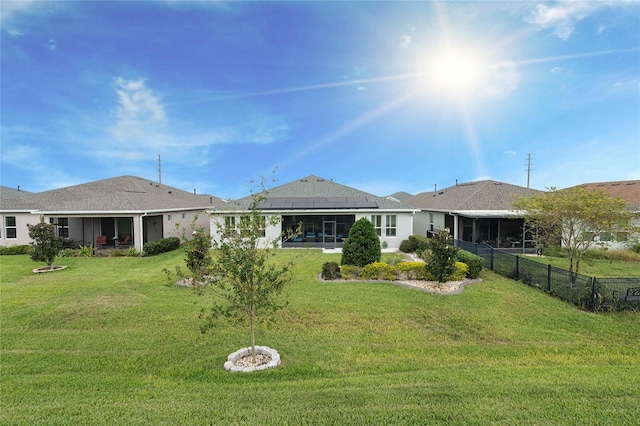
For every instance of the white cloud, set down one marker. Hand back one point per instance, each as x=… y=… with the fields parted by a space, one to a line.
x=562 y=17
x=503 y=78
x=405 y=41
x=15 y=32
x=556 y=70
x=52 y=44
x=510 y=152
x=139 y=108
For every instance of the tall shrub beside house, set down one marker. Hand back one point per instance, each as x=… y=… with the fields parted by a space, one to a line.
x=362 y=246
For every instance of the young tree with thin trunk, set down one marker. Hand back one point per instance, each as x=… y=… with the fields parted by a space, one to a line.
x=46 y=245
x=576 y=218
x=246 y=281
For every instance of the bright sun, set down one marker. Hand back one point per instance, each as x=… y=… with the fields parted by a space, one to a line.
x=456 y=71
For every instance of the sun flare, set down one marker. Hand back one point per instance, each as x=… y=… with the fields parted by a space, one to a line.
x=457 y=71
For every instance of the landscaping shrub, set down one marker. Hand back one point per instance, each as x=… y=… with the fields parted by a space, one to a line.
x=412 y=270
x=405 y=246
x=13 y=250
x=350 y=272
x=362 y=246
x=635 y=247
x=378 y=271
x=473 y=262
x=161 y=246
x=443 y=254
x=461 y=272
x=330 y=271
x=414 y=244
x=198 y=258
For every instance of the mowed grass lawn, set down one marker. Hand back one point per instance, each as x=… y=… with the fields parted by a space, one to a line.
x=107 y=341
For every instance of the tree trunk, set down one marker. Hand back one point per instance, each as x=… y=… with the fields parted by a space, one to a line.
x=253 y=337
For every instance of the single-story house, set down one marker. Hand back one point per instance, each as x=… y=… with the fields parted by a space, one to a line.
x=479 y=212
x=326 y=210
x=628 y=191
x=125 y=211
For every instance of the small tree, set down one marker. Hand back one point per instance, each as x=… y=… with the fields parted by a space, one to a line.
x=46 y=245
x=244 y=277
x=198 y=256
x=362 y=246
x=442 y=262
x=575 y=217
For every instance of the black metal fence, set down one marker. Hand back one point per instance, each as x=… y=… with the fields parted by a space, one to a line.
x=595 y=294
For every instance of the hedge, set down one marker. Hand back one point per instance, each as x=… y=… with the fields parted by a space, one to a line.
x=11 y=250
x=473 y=261
x=161 y=246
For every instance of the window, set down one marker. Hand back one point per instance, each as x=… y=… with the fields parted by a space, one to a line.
x=62 y=226
x=431 y=226
x=168 y=218
x=10 y=229
x=229 y=224
x=376 y=219
x=391 y=225
x=184 y=215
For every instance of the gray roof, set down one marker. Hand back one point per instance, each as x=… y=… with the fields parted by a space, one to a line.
x=313 y=192
x=481 y=195
x=401 y=196
x=119 y=194
x=7 y=193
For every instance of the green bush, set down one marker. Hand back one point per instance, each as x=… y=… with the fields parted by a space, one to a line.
x=362 y=246
x=13 y=250
x=412 y=270
x=350 y=272
x=414 y=244
x=441 y=264
x=378 y=271
x=461 y=272
x=635 y=247
x=117 y=253
x=330 y=271
x=161 y=246
x=405 y=246
x=473 y=262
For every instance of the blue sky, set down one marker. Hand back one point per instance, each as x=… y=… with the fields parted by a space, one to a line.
x=381 y=96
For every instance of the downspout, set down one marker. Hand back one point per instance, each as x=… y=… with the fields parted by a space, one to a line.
x=140 y=243
x=455 y=226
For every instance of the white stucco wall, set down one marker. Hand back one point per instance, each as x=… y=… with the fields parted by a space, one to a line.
x=22 y=232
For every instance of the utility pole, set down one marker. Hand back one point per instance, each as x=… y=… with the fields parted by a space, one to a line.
x=528 y=169
x=159 y=170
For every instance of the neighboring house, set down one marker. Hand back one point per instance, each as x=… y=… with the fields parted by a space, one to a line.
x=326 y=211
x=122 y=211
x=7 y=193
x=628 y=191
x=479 y=212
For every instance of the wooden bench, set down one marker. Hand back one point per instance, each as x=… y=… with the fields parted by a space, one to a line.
x=632 y=293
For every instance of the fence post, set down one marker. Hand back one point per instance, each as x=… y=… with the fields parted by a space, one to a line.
x=549 y=278
x=593 y=293
x=517 y=268
x=492 y=250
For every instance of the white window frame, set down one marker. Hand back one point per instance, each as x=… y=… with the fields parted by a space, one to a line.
x=391 y=225
x=7 y=227
x=376 y=220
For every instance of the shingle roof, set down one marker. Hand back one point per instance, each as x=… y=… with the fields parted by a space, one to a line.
x=481 y=195
x=628 y=190
x=123 y=193
x=314 y=192
x=7 y=193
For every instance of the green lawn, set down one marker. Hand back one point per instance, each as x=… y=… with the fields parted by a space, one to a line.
x=600 y=268
x=106 y=341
